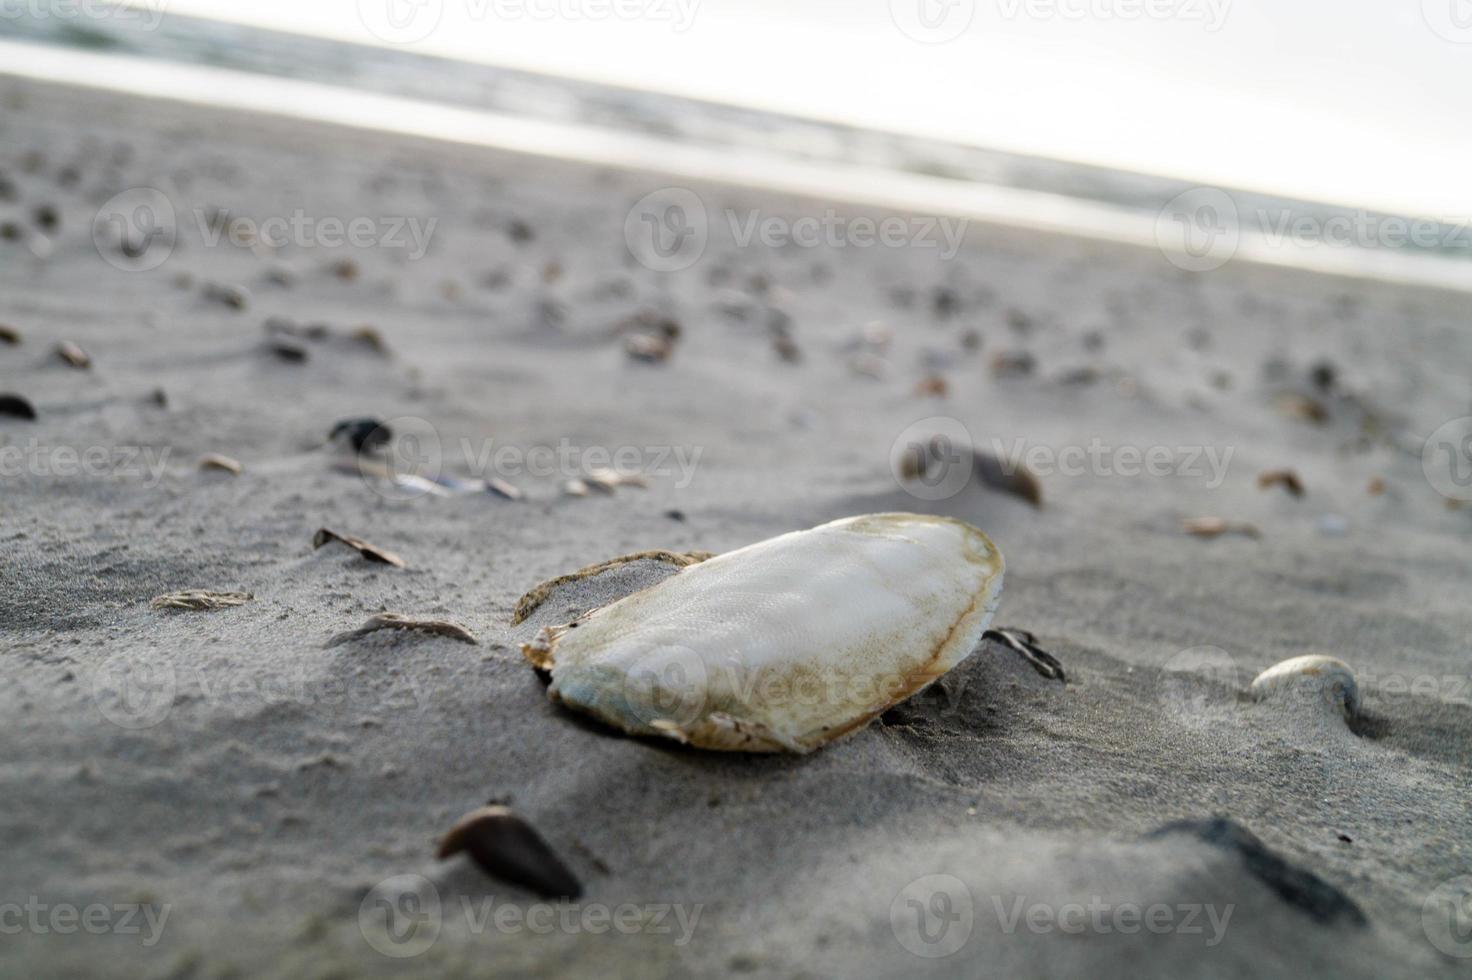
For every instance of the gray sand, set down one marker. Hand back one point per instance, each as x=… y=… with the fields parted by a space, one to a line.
x=283 y=781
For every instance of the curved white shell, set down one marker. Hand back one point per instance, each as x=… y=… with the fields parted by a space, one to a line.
x=1315 y=671
x=786 y=644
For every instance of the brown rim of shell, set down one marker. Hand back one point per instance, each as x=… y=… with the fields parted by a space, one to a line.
x=538 y=594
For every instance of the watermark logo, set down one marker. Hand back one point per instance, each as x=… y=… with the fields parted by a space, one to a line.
x=1446 y=917
x=1450 y=19
x=412 y=465
x=932 y=21
x=1104 y=918
x=139 y=229
x=933 y=916
x=35 y=458
x=132 y=691
x=401 y=21
x=1207 y=463
x=413 y=461
x=136 y=231
x=1195 y=679
x=1446 y=459
x=1198 y=230
x=401 y=916
x=149 y=13
x=1212 y=14
x=835 y=231
x=933 y=459
x=98 y=919
x=667 y=230
x=666 y=687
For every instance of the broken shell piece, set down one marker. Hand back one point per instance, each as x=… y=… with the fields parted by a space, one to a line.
x=17 y=407
x=932 y=386
x=575 y=488
x=370 y=338
x=503 y=489
x=785 y=645
x=9 y=335
x=368 y=551
x=291 y=353
x=73 y=355
x=505 y=846
x=1013 y=364
x=537 y=595
x=227 y=294
x=606 y=480
x=364 y=435
x=393 y=621
x=1025 y=645
x=1287 y=479
x=1328 y=675
x=1009 y=477
x=650 y=348
x=200 y=599
x=1215 y=527
x=215 y=461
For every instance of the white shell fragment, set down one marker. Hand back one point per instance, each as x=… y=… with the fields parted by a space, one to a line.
x=784 y=645
x=1315 y=672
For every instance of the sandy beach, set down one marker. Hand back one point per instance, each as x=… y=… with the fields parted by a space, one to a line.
x=254 y=803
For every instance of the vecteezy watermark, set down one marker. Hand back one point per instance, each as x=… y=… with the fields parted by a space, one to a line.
x=1446 y=459
x=1212 y=14
x=669 y=229
x=403 y=916
x=1194 y=680
x=415 y=460
x=139 y=690
x=410 y=21
x=1451 y=20
x=933 y=916
x=148 y=13
x=933 y=459
x=1446 y=917
x=932 y=21
x=1203 y=229
x=1198 y=230
x=98 y=919
x=1097 y=458
x=1099 y=917
x=139 y=229
x=91 y=462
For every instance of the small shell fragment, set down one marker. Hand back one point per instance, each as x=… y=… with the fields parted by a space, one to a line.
x=1010 y=477
x=394 y=621
x=17 y=407
x=74 y=355
x=368 y=551
x=365 y=435
x=200 y=599
x=1215 y=527
x=1327 y=675
x=784 y=645
x=505 y=846
x=1287 y=479
x=217 y=461
x=649 y=348
x=9 y=335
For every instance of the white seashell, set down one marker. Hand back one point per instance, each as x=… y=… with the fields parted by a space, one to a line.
x=1315 y=671
x=786 y=644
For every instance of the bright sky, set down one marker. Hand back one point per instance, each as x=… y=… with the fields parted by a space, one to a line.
x=1361 y=102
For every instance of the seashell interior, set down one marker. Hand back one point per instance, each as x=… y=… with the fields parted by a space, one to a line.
x=786 y=644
